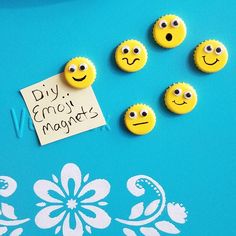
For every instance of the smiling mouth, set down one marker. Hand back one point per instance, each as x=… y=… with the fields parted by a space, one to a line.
x=210 y=64
x=79 y=79
x=169 y=37
x=141 y=123
x=125 y=58
x=179 y=104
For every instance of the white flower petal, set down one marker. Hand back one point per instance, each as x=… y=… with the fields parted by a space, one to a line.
x=42 y=188
x=69 y=172
x=86 y=177
x=58 y=229
x=3 y=230
x=101 y=220
x=102 y=203
x=129 y=232
x=41 y=204
x=43 y=219
x=101 y=188
x=77 y=231
x=136 y=211
x=17 y=232
x=149 y=231
x=9 y=186
x=8 y=211
x=177 y=212
x=88 y=229
x=167 y=227
x=55 y=179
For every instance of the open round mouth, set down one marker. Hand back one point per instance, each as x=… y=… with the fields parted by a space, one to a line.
x=179 y=104
x=79 y=79
x=169 y=37
x=210 y=64
x=135 y=59
x=141 y=123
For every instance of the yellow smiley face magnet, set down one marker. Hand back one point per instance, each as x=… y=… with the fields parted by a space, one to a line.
x=169 y=31
x=180 y=98
x=80 y=72
x=131 y=56
x=210 y=56
x=140 y=119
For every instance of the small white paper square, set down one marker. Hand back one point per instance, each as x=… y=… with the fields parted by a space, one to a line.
x=59 y=110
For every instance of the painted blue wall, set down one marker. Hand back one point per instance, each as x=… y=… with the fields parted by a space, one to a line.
x=192 y=156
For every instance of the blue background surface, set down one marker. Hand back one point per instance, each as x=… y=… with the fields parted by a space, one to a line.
x=191 y=156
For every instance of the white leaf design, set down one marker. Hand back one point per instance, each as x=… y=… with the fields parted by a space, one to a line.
x=149 y=231
x=151 y=208
x=3 y=230
x=129 y=232
x=8 y=211
x=17 y=232
x=41 y=204
x=167 y=227
x=58 y=229
x=86 y=177
x=88 y=229
x=55 y=179
x=136 y=211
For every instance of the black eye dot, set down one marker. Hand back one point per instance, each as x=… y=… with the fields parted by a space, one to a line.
x=163 y=24
x=188 y=95
x=144 y=113
x=72 y=69
x=177 y=92
x=132 y=114
x=126 y=50
x=209 y=48
x=136 y=50
x=218 y=50
x=82 y=67
x=175 y=23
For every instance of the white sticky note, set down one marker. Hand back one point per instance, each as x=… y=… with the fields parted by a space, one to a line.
x=59 y=110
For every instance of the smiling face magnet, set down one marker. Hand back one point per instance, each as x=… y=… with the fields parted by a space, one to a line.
x=210 y=56
x=80 y=72
x=131 y=56
x=180 y=98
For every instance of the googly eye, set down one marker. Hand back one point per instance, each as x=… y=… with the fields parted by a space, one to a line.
x=177 y=92
x=208 y=49
x=72 y=68
x=143 y=113
x=83 y=66
x=162 y=24
x=175 y=23
x=137 y=50
x=125 y=50
x=219 y=50
x=187 y=95
x=132 y=114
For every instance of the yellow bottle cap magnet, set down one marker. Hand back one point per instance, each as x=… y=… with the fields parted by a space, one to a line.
x=180 y=98
x=140 y=119
x=169 y=31
x=80 y=72
x=131 y=56
x=210 y=56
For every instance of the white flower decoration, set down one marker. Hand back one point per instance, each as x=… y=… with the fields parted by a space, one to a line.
x=177 y=212
x=69 y=206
